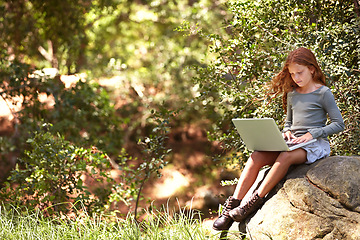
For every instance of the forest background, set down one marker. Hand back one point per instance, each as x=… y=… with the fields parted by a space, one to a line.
x=104 y=96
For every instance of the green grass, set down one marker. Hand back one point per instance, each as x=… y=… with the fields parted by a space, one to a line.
x=185 y=224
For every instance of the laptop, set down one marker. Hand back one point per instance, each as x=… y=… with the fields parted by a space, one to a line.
x=262 y=134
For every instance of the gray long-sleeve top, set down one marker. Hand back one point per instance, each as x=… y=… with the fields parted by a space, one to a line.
x=308 y=113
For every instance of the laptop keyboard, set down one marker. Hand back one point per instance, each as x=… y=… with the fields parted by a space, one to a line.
x=290 y=144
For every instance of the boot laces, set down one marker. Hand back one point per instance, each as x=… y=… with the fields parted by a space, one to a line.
x=227 y=206
x=251 y=202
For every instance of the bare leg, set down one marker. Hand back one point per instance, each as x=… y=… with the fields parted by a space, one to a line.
x=281 y=163
x=280 y=168
x=248 y=176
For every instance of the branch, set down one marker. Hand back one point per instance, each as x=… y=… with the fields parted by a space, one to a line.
x=49 y=55
x=45 y=54
x=273 y=34
x=138 y=196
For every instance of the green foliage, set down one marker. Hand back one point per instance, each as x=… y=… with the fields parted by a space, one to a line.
x=49 y=176
x=259 y=36
x=347 y=93
x=88 y=116
x=82 y=113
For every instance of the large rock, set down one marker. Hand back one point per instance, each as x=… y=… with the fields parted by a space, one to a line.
x=317 y=201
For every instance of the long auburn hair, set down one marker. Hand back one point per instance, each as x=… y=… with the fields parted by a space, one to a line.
x=282 y=83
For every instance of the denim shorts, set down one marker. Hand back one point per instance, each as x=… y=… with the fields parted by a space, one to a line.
x=317 y=150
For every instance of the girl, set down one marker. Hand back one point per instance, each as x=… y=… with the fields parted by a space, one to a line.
x=307 y=101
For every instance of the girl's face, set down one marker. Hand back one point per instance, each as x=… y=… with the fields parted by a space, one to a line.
x=301 y=75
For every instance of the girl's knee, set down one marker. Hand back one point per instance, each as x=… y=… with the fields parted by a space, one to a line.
x=284 y=157
x=257 y=157
x=291 y=158
x=262 y=158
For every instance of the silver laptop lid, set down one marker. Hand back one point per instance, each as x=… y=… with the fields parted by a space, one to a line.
x=261 y=134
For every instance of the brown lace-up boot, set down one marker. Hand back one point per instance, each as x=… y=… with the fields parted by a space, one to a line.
x=238 y=214
x=224 y=222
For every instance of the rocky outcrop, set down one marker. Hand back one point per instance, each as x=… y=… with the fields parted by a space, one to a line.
x=317 y=201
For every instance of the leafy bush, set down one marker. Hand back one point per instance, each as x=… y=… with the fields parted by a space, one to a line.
x=49 y=176
x=82 y=113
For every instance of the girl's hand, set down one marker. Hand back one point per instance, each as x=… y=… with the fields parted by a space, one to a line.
x=304 y=138
x=288 y=136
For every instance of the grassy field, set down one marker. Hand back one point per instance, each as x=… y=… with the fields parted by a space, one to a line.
x=25 y=225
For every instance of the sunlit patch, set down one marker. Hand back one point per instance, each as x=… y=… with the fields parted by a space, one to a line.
x=172 y=182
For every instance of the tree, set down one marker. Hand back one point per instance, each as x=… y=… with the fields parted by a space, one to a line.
x=259 y=36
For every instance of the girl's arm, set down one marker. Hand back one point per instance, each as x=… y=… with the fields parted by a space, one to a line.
x=287 y=135
x=337 y=122
x=289 y=116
